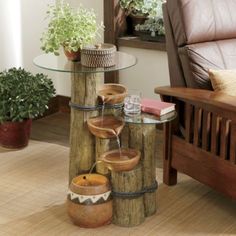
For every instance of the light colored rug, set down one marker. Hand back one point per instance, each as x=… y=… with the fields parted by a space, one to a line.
x=33 y=186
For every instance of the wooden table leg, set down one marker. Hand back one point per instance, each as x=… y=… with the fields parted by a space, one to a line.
x=128 y=210
x=143 y=137
x=82 y=143
x=149 y=169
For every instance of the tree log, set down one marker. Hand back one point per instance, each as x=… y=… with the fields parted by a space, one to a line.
x=128 y=211
x=82 y=143
x=149 y=168
x=143 y=137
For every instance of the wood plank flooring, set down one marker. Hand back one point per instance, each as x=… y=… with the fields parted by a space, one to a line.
x=33 y=186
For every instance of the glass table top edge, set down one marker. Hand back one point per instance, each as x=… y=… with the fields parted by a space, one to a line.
x=51 y=62
x=148 y=119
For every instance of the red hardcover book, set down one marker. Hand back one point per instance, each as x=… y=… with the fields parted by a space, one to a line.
x=156 y=107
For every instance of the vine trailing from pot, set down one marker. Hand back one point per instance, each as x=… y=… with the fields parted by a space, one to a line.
x=23 y=96
x=69 y=28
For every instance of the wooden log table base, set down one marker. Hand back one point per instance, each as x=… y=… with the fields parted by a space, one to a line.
x=82 y=142
x=134 y=192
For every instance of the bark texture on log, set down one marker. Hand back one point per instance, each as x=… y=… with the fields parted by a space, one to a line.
x=128 y=211
x=82 y=143
x=143 y=138
x=149 y=168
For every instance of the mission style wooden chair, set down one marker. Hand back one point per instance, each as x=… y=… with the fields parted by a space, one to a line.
x=200 y=34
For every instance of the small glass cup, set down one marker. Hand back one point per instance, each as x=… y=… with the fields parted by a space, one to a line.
x=132 y=103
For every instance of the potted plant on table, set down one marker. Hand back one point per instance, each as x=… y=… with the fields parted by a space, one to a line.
x=23 y=96
x=69 y=28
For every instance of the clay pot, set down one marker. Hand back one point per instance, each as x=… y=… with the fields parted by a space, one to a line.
x=121 y=160
x=112 y=93
x=89 y=203
x=135 y=20
x=15 y=134
x=106 y=126
x=73 y=56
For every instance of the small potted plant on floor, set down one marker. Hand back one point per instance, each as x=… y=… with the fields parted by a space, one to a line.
x=23 y=96
x=69 y=28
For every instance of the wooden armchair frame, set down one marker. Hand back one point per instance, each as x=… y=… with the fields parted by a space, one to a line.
x=201 y=142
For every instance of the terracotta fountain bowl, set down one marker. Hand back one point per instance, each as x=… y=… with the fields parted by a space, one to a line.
x=124 y=161
x=112 y=93
x=106 y=126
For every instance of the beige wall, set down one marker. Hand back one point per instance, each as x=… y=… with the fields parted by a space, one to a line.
x=151 y=71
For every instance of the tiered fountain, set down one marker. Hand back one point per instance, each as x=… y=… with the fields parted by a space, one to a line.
x=105 y=127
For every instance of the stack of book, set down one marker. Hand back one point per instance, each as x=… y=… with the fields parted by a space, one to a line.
x=163 y=110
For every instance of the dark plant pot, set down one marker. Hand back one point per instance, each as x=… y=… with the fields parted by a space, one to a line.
x=146 y=36
x=73 y=56
x=15 y=134
x=134 y=20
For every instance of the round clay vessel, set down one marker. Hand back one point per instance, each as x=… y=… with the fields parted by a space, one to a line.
x=89 y=203
x=121 y=160
x=15 y=135
x=112 y=93
x=73 y=56
x=106 y=126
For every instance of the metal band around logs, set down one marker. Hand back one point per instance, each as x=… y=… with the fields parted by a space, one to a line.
x=149 y=189
x=93 y=108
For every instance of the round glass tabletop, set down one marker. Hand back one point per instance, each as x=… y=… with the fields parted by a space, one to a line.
x=51 y=62
x=145 y=118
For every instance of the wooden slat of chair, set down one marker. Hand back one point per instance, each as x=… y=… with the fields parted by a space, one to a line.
x=188 y=122
x=197 y=126
x=215 y=131
x=224 y=138
x=233 y=143
x=206 y=128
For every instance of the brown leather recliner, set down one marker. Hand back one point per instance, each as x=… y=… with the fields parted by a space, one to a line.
x=200 y=35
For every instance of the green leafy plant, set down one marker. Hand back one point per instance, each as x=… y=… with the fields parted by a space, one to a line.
x=151 y=8
x=23 y=95
x=154 y=26
x=72 y=29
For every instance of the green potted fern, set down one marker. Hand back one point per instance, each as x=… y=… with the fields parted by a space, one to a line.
x=23 y=96
x=69 y=28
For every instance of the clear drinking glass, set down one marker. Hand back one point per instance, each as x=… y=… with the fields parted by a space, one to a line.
x=132 y=103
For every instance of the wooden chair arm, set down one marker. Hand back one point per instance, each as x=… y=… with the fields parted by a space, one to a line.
x=216 y=102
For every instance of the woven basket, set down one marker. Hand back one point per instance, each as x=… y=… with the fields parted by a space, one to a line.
x=102 y=55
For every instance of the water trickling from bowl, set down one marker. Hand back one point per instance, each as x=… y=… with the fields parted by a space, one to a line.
x=93 y=166
x=118 y=141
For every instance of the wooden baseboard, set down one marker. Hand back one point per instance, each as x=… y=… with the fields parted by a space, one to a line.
x=63 y=103
x=58 y=103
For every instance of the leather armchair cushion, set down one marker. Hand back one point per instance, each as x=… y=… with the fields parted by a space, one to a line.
x=224 y=81
x=196 y=21
x=197 y=59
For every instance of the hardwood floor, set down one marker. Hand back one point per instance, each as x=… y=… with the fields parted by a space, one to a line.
x=52 y=129
x=34 y=181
